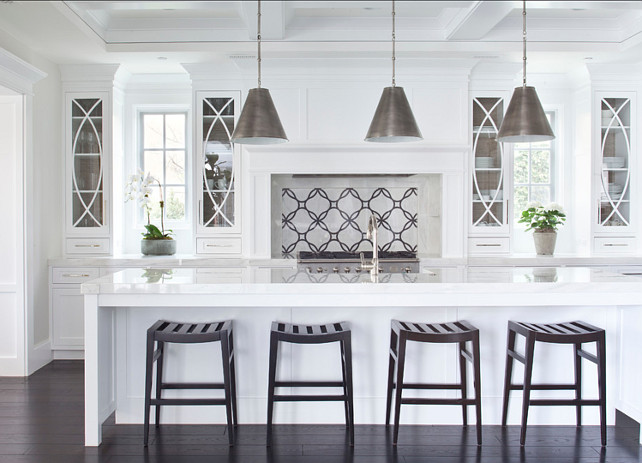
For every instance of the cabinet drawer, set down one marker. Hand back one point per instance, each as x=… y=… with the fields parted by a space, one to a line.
x=488 y=245
x=613 y=245
x=227 y=245
x=73 y=275
x=87 y=246
x=67 y=306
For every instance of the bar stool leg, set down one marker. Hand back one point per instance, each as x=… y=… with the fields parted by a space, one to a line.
x=274 y=347
x=159 y=379
x=401 y=360
x=528 y=375
x=149 y=365
x=477 y=373
x=464 y=382
x=578 y=383
x=225 y=354
x=347 y=347
x=508 y=374
x=233 y=381
x=601 y=377
x=346 y=405
x=394 y=342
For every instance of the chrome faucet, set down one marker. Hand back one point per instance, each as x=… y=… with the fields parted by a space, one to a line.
x=371 y=233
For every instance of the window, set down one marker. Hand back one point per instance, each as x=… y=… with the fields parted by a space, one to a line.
x=164 y=155
x=534 y=172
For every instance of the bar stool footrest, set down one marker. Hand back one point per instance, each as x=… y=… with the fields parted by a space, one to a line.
x=545 y=387
x=308 y=384
x=569 y=402
x=429 y=386
x=424 y=401
x=192 y=386
x=187 y=402
x=310 y=398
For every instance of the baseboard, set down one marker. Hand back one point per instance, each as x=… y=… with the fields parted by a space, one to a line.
x=69 y=354
x=40 y=356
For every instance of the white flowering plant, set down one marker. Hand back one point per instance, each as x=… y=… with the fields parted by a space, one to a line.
x=139 y=189
x=542 y=218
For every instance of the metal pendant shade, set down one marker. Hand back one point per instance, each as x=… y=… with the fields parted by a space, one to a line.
x=525 y=120
x=393 y=121
x=259 y=123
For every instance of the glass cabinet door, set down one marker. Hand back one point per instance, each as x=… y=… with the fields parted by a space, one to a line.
x=218 y=192
x=488 y=205
x=615 y=148
x=87 y=204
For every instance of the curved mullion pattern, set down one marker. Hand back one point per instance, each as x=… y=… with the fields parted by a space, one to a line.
x=218 y=207
x=488 y=212
x=616 y=204
x=87 y=205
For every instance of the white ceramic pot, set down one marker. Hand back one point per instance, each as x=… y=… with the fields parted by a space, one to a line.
x=158 y=247
x=545 y=242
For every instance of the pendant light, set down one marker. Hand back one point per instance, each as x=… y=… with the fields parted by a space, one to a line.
x=525 y=120
x=393 y=121
x=259 y=123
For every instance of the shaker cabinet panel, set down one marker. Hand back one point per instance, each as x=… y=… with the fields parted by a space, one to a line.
x=67 y=306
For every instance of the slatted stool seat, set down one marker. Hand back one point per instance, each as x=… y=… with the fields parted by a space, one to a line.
x=459 y=332
x=163 y=332
x=576 y=333
x=312 y=334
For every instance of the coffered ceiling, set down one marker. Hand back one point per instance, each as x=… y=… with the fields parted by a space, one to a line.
x=154 y=36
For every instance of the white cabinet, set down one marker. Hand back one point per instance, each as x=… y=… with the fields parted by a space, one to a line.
x=490 y=167
x=216 y=178
x=614 y=173
x=88 y=173
x=67 y=307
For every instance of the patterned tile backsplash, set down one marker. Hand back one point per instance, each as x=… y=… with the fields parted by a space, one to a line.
x=335 y=218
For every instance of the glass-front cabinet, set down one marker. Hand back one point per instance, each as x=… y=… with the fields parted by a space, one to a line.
x=489 y=167
x=614 y=173
x=217 y=181
x=88 y=160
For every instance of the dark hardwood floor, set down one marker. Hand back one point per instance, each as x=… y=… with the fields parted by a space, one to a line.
x=41 y=420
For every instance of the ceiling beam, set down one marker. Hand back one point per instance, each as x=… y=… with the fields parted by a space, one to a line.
x=478 y=20
x=272 y=19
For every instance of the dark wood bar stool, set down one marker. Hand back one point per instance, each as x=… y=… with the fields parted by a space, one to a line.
x=576 y=333
x=163 y=332
x=312 y=334
x=459 y=332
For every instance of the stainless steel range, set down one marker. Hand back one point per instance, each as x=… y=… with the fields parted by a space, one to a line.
x=349 y=262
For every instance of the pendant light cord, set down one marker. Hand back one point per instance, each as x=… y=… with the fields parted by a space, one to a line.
x=393 y=44
x=524 y=40
x=258 y=38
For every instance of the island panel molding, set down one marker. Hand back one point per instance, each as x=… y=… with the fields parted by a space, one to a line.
x=335 y=219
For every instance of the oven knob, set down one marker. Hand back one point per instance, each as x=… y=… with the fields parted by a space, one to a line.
x=408 y=270
x=380 y=269
x=335 y=270
x=346 y=270
x=319 y=269
x=358 y=269
x=309 y=270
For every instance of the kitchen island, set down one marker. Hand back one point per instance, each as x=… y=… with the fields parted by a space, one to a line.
x=120 y=307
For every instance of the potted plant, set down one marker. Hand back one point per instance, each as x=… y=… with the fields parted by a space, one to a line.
x=155 y=242
x=544 y=220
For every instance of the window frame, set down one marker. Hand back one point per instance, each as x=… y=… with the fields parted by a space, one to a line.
x=185 y=223
x=554 y=169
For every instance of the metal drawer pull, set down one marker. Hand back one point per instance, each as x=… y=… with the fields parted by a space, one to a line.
x=87 y=245
x=218 y=245
x=76 y=275
x=496 y=245
x=615 y=244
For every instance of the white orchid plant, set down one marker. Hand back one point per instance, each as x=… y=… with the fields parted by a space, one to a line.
x=139 y=189
x=542 y=218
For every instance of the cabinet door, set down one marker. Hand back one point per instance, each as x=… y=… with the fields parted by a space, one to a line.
x=614 y=165
x=217 y=163
x=489 y=169
x=68 y=318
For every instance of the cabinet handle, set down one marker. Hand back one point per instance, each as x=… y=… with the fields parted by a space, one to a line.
x=489 y=245
x=76 y=275
x=86 y=245
x=218 y=245
x=615 y=244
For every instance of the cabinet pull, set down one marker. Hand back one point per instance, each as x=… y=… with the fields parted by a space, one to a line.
x=86 y=245
x=488 y=245
x=76 y=275
x=614 y=244
x=218 y=245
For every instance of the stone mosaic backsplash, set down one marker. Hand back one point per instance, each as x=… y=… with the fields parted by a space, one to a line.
x=335 y=219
